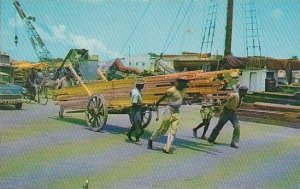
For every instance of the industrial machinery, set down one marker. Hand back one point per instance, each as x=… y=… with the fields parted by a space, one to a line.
x=35 y=39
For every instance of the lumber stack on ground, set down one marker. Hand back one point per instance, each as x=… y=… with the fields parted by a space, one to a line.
x=269 y=112
x=203 y=85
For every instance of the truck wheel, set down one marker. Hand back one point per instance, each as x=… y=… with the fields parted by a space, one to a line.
x=18 y=106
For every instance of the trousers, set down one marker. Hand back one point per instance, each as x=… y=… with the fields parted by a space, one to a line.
x=171 y=123
x=227 y=115
x=137 y=124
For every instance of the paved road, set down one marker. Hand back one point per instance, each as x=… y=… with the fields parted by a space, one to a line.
x=38 y=150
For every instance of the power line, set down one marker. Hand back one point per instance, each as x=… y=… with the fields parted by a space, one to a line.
x=180 y=8
x=189 y=7
x=138 y=22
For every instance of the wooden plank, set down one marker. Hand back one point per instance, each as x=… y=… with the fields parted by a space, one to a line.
x=277 y=107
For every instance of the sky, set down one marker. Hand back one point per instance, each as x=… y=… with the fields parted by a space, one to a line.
x=114 y=28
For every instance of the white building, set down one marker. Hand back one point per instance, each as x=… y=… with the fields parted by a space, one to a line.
x=258 y=80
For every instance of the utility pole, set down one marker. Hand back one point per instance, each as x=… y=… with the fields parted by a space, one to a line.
x=228 y=37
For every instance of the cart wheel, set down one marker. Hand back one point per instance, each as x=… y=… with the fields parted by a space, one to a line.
x=146 y=118
x=96 y=113
x=61 y=112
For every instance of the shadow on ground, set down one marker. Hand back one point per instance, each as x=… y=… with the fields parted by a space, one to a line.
x=72 y=120
x=179 y=142
x=7 y=107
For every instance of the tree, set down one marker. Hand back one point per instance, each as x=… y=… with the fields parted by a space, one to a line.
x=295 y=58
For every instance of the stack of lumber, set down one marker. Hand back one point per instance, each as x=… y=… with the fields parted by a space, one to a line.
x=116 y=92
x=22 y=68
x=270 y=113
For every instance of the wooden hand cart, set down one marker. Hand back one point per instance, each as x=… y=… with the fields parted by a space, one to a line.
x=100 y=98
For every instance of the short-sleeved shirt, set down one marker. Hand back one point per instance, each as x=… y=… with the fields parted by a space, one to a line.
x=136 y=96
x=233 y=102
x=175 y=99
x=39 y=77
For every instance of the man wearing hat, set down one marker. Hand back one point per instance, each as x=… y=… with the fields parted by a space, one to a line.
x=135 y=112
x=171 y=115
x=229 y=114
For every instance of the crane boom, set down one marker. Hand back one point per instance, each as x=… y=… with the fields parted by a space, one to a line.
x=35 y=39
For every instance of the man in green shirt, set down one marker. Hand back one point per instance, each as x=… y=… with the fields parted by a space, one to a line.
x=229 y=114
x=171 y=115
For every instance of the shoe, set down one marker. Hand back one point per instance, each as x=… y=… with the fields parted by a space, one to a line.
x=129 y=137
x=149 y=144
x=211 y=141
x=233 y=145
x=203 y=138
x=138 y=142
x=165 y=151
x=195 y=133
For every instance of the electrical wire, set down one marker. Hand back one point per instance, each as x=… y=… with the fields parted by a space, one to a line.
x=138 y=22
x=170 y=32
x=187 y=26
x=190 y=5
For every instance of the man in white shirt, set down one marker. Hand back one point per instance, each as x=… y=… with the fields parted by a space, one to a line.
x=135 y=112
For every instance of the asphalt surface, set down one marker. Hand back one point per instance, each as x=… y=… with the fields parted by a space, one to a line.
x=39 y=150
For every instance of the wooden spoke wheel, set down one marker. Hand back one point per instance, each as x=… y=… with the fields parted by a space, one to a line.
x=96 y=113
x=146 y=117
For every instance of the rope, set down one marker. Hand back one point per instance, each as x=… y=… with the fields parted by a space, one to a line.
x=190 y=5
x=138 y=22
x=173 y=26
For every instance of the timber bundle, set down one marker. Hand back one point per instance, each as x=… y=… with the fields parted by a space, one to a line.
x=116 y=92
x=22 y=70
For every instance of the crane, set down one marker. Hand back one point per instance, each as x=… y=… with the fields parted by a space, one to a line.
x=35 y=39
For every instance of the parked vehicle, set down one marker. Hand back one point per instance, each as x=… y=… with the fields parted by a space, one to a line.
x=10 y=94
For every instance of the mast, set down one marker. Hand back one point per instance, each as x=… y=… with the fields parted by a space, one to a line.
x=228 y=36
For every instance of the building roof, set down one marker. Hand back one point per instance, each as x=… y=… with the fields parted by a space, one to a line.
x=232 y=62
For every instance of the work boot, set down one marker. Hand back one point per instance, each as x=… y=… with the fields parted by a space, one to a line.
x=211 y=141
x=195 y=133
x=138 y=142
x=233 y=145
x=149 y=144
x=129 y=136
